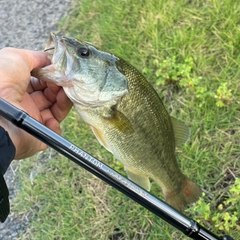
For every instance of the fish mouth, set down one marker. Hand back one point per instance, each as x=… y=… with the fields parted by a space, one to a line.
x=55 y=47
x=50 y=45
x=62 y=61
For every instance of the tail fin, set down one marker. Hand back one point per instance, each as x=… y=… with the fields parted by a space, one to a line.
x=189 y=194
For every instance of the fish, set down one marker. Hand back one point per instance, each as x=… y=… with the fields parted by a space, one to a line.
x=125 y=114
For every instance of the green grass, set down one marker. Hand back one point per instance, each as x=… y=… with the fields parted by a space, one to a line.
x=66 y=202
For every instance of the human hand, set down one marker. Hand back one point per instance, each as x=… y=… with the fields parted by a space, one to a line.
x=43 y=101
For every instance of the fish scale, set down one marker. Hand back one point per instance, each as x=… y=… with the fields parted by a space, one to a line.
x=125 y=113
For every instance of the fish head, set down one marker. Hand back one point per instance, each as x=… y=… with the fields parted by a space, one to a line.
x=89 y=77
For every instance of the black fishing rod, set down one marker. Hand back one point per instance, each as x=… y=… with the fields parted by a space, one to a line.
x=188 y=226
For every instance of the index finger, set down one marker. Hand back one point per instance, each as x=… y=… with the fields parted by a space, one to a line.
x=37 y=59
x=34 y=59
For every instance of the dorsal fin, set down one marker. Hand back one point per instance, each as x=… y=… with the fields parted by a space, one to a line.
x=181 y=131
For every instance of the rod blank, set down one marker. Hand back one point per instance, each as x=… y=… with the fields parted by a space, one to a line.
x=188 y=226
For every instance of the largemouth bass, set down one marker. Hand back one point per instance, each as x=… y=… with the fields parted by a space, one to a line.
x=125 y=113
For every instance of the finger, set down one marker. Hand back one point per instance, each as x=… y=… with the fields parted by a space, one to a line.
x=49 y=121
x=40 y=100
x=50 y=89
x=36 y=85
x=54 y=88
x=53 y=124
x=34 y=59
x=62 y=106
x=51 y=92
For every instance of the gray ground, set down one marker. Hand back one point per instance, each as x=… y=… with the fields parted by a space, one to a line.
x=25 y=24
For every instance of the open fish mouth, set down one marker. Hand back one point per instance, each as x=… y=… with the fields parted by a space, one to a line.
x=62 y=61
x=56 y=48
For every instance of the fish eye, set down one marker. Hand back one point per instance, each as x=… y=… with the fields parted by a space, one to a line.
x=83 y=52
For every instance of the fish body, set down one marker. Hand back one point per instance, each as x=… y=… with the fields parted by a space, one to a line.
x=126 y=115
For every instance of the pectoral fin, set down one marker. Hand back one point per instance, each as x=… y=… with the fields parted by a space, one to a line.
x=138 y=178
x=119 y=121
x=181 y=131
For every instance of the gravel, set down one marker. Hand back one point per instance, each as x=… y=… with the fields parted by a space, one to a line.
x=25 y=24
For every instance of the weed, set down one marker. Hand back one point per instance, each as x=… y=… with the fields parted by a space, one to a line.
x=225 y=218
x=169 y=71
x=223 y=95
